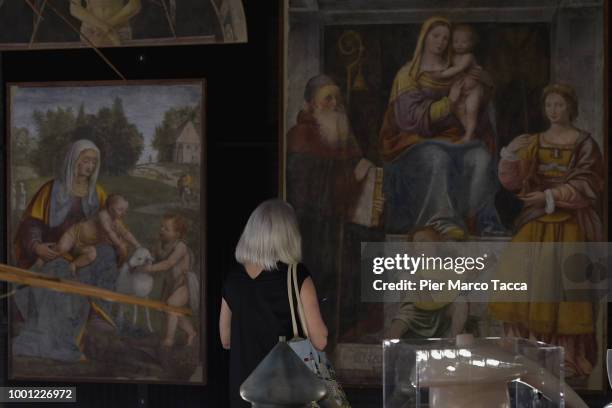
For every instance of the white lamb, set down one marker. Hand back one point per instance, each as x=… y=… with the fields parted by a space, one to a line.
x=137 y=283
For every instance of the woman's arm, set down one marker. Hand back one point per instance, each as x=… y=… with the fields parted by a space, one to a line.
x=31 y=242
x=317 y=331
x=584 y=182
x=225 y=324
x=510 y=174
x=512 y=169
x=442 y=108
x=566 y=196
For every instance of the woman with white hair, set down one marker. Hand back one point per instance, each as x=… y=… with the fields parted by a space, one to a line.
x=255 y=306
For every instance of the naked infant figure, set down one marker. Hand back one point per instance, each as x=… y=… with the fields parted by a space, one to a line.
x=462 y=61
x=105 y=226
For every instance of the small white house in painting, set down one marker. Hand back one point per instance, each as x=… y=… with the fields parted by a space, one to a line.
x=188 y=146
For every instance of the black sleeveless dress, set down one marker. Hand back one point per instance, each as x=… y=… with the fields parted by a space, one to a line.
x=260 y=314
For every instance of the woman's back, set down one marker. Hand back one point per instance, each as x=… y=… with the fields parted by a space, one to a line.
x=260 y=314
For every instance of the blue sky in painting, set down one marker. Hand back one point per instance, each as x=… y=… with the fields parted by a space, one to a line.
x=144 y=105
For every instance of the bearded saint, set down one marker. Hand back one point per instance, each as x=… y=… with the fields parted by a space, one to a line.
x=325 y=174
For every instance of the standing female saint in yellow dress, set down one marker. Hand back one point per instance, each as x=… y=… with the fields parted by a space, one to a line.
x=559 y=176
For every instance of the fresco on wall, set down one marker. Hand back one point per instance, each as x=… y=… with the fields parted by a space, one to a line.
x=394 y=130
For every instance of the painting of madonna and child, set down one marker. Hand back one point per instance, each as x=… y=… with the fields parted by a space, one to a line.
x=106 y=189
x=446 y=127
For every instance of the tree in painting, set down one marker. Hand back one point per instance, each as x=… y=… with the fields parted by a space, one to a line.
x=90 y=197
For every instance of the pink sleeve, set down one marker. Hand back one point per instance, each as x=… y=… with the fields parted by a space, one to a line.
x=509 y=173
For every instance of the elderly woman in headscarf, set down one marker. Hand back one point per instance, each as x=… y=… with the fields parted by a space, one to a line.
x=432 y=180
x=54 y=322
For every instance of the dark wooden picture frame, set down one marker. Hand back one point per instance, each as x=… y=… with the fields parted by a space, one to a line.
x=170 y=189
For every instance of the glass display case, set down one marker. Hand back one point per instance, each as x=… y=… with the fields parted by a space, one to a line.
x=468 y=372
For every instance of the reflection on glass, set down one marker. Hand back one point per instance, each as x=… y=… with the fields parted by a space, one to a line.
x=475 y=373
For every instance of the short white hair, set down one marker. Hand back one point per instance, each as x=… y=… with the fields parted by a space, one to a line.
x=271 y=235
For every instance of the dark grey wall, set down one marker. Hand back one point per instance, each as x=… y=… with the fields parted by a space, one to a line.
x=578 y=59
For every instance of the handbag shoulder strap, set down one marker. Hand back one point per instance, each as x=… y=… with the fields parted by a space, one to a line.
x=290 y=294
x=299 y=301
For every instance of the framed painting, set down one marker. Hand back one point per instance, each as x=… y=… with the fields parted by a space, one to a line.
x=43 y=24
x=379 y=143
x=107 y=192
